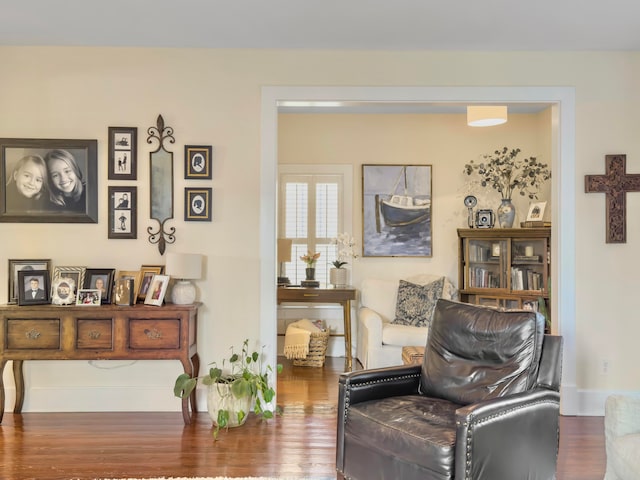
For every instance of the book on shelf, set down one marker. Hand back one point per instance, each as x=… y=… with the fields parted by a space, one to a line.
x=527 y=259
x=535 y=224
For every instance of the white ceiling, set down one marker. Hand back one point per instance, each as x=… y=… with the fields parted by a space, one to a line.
x=474 y=25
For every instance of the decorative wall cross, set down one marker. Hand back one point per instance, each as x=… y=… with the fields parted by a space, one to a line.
x=615 y=184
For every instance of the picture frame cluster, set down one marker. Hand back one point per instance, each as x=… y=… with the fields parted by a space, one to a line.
x=34 y=282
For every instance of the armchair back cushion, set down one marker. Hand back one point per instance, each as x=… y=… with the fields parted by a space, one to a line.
x=475 y=354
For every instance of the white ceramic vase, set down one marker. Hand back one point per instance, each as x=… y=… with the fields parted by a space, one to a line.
x=219 y=397
x=339 y=277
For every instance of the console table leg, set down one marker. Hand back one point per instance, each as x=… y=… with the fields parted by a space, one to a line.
x=19 y=379
x=2 y=364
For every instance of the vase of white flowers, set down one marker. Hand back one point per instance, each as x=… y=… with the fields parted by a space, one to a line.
x=506 y=173
x=338 y=275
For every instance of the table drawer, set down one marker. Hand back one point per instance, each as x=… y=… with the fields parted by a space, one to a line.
x=95 y=334
x=154 y=334
x=41 y=334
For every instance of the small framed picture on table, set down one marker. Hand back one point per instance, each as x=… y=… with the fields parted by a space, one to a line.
x=157 y=290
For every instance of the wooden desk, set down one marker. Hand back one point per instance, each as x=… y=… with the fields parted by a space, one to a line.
x=107 y=332
x=343 y=296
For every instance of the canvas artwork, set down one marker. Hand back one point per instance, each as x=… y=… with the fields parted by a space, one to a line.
x=396 y=203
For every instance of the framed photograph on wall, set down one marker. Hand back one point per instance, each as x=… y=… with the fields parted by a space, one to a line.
x=123 y=158
x=157 y=290
x=123 y=212
x=33 y=287
x=16 y=266
x=100 y=279
x=197 y=162
x=64 y=188
x=396 y=204
x=197 y=204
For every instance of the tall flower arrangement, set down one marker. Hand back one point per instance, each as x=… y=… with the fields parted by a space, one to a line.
x=310 y=259
x=506 y=173
x=346 y=249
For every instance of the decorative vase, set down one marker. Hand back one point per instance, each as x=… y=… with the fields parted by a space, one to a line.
x=506 y=213
x=338 y=277
x=310 y=273
x=219 y=397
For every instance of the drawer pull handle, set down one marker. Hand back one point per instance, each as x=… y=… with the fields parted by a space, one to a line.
x=311 y=295
x=94 y=334
x=153 y=333
x=33 y=334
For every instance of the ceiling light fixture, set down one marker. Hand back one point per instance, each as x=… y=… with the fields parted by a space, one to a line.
x=486 y=115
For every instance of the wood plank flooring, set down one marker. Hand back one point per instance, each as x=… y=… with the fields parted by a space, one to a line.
x=298 y=444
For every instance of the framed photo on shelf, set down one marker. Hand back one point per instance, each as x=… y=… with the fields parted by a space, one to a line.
x=197 y=162
x=147 y=272
x=100 y=279
x=33 y=287
x=63 y=291
x=123 y=292
x=197 y=204
x=157 y=290
x=123 y=214
x=67 y=201
x=75 y=273
x=16 y=266
x=136 y=276
x=396 y=204
x=88 y=297
x=123 y=148
x=536 y=211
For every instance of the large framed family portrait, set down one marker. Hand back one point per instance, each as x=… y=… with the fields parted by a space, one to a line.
x=48 y=180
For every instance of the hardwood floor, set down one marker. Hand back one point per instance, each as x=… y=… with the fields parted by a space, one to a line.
x=298 y=444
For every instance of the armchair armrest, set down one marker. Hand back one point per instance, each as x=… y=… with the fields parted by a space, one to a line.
x=372 y=322
x=523 y=428
x=356 y=387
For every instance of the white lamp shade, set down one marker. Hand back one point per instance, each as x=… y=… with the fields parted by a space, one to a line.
x=184 y=265
x=486 y=115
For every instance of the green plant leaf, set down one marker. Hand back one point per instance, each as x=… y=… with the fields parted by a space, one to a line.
x=184 y=385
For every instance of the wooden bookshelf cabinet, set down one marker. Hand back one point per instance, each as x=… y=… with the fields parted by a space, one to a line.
x=107 y=332
x=504 y=267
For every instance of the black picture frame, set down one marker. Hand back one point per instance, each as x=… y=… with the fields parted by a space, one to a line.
x=123 y=153
x=24 y=280
x=77 y=159
x=197 y=204
x=106 y=275
x=16 y=265
x=123 y=212
x=197 y=162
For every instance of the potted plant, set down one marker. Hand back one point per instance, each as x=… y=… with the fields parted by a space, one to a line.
x=506 y=173
x=338 y=276
x=310 y=259
x=233 y=391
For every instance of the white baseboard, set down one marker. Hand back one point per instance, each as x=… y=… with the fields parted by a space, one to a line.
x=591 y=402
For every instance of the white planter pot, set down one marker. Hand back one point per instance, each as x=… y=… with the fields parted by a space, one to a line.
x=219 y=397
x=339 y=277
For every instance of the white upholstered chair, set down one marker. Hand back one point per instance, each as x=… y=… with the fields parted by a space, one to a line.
x=380 y=342
x=622 y=437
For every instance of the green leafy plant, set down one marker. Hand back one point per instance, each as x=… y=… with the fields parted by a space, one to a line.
x=246 y=377
x=338 y=263
x=506 y=173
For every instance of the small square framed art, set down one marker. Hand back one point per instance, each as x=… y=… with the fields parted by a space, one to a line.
x=197 y=204
x=123 y=214
x=197 y=162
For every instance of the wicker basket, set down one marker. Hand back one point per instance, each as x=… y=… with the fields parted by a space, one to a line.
x=317 y=349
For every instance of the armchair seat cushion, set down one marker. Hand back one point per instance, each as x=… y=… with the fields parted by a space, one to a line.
x=404 y=335
x=410 y=431
x=623 y=456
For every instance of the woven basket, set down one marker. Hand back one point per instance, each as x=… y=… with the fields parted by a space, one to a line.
x=317 y=349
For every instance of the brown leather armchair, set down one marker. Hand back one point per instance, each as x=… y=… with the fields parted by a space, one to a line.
x=484 y=404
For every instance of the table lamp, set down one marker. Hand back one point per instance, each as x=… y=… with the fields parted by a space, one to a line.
x=184 y=267
x=284 y=255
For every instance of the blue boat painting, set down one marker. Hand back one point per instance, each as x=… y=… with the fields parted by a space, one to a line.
x=396 y=202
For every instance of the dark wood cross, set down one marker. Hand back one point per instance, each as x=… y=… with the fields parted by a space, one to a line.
x=615 y=184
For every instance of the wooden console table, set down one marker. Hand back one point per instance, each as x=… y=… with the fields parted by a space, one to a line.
x=107 y=332
x=343 y=296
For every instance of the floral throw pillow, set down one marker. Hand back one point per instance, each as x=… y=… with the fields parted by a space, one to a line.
x=416 y=303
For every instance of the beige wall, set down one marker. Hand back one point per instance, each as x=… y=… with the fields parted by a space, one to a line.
x=213 y=97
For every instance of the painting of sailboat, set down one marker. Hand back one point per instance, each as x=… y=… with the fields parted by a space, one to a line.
x=396 y=210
